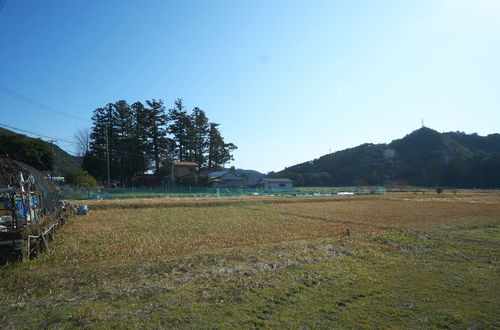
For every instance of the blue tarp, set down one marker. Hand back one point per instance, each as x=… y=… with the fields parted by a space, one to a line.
x=23 y=212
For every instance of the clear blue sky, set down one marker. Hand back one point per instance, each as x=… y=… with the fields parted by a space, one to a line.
x=287 y=80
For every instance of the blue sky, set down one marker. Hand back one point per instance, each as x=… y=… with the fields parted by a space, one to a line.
x=287 y=80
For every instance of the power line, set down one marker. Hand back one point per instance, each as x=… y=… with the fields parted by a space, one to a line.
x=2 y=3
x=37 y=134
x=53 y=139
x=70 y=142
x=37 y=104
x=21 y=106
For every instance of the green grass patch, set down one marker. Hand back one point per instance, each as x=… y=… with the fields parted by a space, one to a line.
x=262 y=267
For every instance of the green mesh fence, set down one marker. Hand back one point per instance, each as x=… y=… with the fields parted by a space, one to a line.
x=78 y=193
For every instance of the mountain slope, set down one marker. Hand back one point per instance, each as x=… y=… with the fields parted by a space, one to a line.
x=423 y=157
x=251 y=176
x=16 y=146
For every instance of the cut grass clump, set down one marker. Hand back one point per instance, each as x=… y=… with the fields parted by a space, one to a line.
x=411 y=244
x=400 y=239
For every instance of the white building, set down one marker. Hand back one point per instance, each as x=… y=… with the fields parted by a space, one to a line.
x=276 y=184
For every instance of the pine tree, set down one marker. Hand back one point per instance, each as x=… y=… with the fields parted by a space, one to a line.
x=200 y=136
x=219 y=152
x=138 y=139
x=178 y=127
x=141 y=121
x=190 y=138
x=158 y=142
x=127 y=159
x=94 y=160
x=213 y=140
x=126 y=150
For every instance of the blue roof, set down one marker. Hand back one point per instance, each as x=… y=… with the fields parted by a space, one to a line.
x=227 y=175
x=217 y=174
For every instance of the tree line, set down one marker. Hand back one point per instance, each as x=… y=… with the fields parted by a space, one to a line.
x=476 y=172
x=423 y=158
x=34 y=152
x=147 y=136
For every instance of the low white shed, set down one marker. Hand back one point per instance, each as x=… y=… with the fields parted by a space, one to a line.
x=276 y=184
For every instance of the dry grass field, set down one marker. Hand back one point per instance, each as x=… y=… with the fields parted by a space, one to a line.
x=410 y=260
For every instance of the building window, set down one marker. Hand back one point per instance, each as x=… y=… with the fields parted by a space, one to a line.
x=282 y=184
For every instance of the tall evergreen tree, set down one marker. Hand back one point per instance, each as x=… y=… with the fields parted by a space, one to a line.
x=141 y=122
x=190 y=139
x=158 y=144
x=200 y=136
x=114 y=129
x=219 y=152
x=94 y=160
x=138 y=139
x=128 y=158
x=178 y=127
x=213 y=140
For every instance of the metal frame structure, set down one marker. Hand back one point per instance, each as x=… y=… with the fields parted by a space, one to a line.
x=30 y=211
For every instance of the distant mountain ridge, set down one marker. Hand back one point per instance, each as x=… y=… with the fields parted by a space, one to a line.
x=424 y=157
x=252 y=176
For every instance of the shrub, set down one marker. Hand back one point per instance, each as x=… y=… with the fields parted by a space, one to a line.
x=80 y=178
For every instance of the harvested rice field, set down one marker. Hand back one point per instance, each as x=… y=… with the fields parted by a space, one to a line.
x=398 y=260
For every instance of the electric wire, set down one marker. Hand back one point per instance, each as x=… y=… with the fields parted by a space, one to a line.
x=37 y=104
x=70 y=142
x=37 y=134
x=2 y=3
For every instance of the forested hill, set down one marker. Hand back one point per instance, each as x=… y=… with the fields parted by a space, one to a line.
x=36 y=152
x=423 y=158
x=251 y=177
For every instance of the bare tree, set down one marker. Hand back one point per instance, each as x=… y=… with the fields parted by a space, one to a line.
x=82 y=140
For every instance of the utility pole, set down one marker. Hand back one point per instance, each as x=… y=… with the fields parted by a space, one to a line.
x=172 y=177
x=53 y=159
x=107 y=156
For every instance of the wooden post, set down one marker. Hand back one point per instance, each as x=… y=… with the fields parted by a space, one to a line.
x=45 y=246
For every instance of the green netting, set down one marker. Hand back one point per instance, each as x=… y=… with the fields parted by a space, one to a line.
x=76 y=193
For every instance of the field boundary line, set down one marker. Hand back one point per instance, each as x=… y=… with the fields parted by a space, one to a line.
x=215 y=203
x=330 y=220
